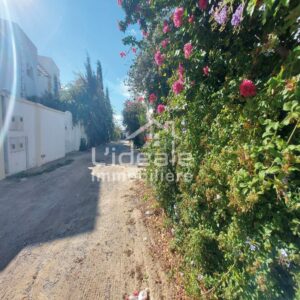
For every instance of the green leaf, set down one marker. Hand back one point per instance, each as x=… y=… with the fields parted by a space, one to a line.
x=273 y=170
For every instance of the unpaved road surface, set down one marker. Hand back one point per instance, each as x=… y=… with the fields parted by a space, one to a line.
x=63 y=236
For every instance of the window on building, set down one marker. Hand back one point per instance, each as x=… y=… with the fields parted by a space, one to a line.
x=17 y=144
x=17 y=123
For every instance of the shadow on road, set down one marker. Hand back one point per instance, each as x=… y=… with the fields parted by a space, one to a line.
x=50 y=206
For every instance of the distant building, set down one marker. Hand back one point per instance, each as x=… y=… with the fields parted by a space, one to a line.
x=48 y=76
x=35 y=75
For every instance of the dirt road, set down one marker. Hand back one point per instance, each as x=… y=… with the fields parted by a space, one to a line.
x=66 y=237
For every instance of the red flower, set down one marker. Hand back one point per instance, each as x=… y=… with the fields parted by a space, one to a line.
x=178 y=87
x=140 y=99
x=181 y=72
x=206 y=70
x=159 y=58
x=161 y=108
x=247 y=88
x=152 y=98
x=177 y=17
x=203 y=4
x=122 y=54
x=166 y=27
x=191 y=19
x=134 y=50
x=120 y=2
x=136 y=293
x=188 y=49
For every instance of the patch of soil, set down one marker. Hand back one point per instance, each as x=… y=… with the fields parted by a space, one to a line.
x=161 y=237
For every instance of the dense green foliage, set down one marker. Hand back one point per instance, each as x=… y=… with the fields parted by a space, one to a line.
x=237 y=222
x=91 y=105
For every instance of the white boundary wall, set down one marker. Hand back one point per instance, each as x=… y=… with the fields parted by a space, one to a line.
x=74 y=134
x=38 y=135
x=2 y=168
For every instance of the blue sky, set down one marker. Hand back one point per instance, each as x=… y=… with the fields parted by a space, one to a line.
x=67 y=30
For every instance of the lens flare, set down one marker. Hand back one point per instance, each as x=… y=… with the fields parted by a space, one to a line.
x=12 y=90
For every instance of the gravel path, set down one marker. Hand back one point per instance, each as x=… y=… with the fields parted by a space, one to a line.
x=64 y=236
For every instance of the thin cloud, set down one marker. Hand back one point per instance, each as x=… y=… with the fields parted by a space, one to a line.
x=119 y=120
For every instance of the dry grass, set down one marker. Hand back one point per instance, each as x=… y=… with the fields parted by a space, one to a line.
x=155 y=221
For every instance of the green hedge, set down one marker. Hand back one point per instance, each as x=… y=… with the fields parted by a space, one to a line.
x=237 y=222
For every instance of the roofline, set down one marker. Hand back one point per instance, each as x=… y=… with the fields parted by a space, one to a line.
x=17 y=26
x=51 y=59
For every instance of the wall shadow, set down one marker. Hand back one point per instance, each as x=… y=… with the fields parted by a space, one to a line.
x=39 y=209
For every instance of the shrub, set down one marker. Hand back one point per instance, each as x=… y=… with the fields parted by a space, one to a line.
x=237 y=221
x=83 y=145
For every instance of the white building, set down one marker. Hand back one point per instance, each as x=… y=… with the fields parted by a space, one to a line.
x=48 y=76
x=18 y=61
x=35 y=75
x=35 y=134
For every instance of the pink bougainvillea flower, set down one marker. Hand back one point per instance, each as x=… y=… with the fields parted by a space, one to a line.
x=134 y=50
x=203 y=4
x=177 y=16
x=178 y=87
x=247 y=88
x=120 y=2
x=191 y=19
x=152 y=98
x=188 y=50
x=122 y=54
x=161 y=108
x=159 y=58
x=166 y=27
x=145 y=34
x=141 y=99
x=181 y=72
x=206 y=70
x=165 y=43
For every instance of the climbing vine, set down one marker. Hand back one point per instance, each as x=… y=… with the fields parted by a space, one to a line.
x=227 y=75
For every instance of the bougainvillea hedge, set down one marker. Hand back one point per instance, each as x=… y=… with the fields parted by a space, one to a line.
x=227 y=74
